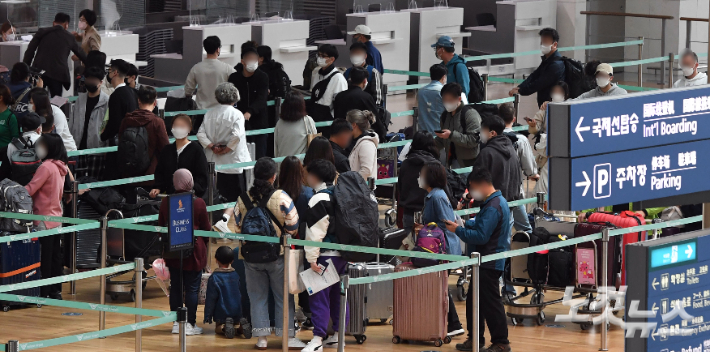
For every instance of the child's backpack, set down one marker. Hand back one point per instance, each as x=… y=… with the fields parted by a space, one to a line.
x=258 y=222
x=429 y=239
x=14 y=198
x=133 y=150
x=357 y=216
x=24 y=161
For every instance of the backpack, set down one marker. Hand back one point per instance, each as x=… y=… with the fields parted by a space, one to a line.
x=280 y=82
x=475 y=85
x=24 y=162
x=357 y=216
x=575 y=78
x=429 y=239
x=513 y=139
x=456 y=185
x=14 y=198
x=258 y=222
x=133 y=150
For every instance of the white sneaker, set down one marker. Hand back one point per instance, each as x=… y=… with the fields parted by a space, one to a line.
x=295 y=344
x=315 y=345
x=332 y=341
x=261 y=343
x=221 y=226
x=176 y=328
x=192 y=330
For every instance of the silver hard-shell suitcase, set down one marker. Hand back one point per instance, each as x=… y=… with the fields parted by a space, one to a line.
x=357 y=303
x=379 y=294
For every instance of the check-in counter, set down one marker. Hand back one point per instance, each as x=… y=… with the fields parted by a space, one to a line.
x=427 y=25
x=173 y=67
x=390 y=35
x=287 y=39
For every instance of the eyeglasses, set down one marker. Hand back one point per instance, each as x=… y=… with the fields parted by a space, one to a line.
x=323 y=56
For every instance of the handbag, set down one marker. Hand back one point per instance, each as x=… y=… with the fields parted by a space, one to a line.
x=294 y=259
x=311 y=132
x=202 y=295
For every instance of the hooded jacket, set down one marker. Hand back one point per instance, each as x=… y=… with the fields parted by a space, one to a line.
x=458 y=73
x=157 y=135
x=499 y=157
x=597 y=92
x=412 y=200
x=49 y=48
x=550 y=71
x=46 y=188
x=700 y=79
x=78 y=117
x=363 y=157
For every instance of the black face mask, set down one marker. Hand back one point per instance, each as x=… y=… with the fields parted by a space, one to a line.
x=91 y=88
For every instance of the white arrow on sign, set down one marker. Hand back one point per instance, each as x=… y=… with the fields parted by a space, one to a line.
x=584 y=183
x=579 y=129
x=654 y=308
x=654 y=283
x=689 y=251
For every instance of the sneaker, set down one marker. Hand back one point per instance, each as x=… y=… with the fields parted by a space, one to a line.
x=332 y=341
x=221 y=226
x=176 y=328
x=261 y=343
x=455 y=330
x=192 y=330
x=229 y=328
x=56 y=295
x=497 y=347
x=315 y=345
x=246 y=328
x=307 y=325
x=466 y=346
x=295 y=344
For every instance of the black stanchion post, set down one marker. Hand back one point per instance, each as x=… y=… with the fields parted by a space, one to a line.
x=516 y=104
x=415 y=119
x=102 y=260
x=541 y=200
x=12 y=346
x=385 y=90
x=74 y=214
x=182 y=321
x=485 y=86
x=211 y=186
x=671 y=60
x=138 y=271
x=640 y=66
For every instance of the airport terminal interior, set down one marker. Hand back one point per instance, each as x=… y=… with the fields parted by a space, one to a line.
x=531 y=169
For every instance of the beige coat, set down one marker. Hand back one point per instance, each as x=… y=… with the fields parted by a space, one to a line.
x=363 y=158
x=90 y=40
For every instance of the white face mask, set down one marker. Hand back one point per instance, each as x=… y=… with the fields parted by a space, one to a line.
x=30 y=108
x=557 y=97
x=545 y=49
x=436 y=53
x=179 y=132
x=451 y=107
x=10 y=37
x=322 y=62
x=687 y=70
x=41 y=151
x=252 y=66
x=484 y=137
x=82 y=25
x=357 y=60
x=602 y=82
x=421 y=183
x=477 y=195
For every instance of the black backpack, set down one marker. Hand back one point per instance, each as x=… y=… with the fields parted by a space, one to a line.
x=357 y=216
x=280 y=83
x=258 y=221
x=575 y=78
x=456 y=185
x=475 y=85
x=24 y=161
x=133 y=150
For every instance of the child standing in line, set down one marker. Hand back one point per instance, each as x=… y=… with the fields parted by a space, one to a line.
x=223 y=302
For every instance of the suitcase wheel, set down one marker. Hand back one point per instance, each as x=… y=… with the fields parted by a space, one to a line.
x=390 y=218
x=540 y=318
x=360 y=339
x=39 y=305
x=516 y=321
x=5 y=308
x=438 y=343
x=460 y=292
x=396 y=340
x=447 y=340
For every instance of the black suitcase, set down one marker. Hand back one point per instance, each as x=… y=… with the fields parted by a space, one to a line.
x=19 y=262
x=392 y=239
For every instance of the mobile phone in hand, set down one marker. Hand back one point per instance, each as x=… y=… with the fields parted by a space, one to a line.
x=438 y=131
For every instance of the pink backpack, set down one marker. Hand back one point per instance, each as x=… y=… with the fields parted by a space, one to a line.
x=429 y=239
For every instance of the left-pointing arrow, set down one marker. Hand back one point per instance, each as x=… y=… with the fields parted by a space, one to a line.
x=584 y=183
x=580 y=129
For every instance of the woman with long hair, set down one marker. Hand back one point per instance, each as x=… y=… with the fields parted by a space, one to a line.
x=320 y=148
x=294 y=126
x=9 y=127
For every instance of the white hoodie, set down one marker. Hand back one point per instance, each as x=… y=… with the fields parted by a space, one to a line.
x=363 y=157
x=700 y=79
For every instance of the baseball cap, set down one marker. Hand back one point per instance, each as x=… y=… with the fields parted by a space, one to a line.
x=606 y=68
x=361 y=29
x=32 y=121
x=444 y=41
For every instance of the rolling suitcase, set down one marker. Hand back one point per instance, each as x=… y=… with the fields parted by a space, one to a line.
x=424 y=320
x=623 y=220
x=613 y=260
x=379 y=294
x=19 y=262
x=392 y=239
x=519 y=264
x=357 y=304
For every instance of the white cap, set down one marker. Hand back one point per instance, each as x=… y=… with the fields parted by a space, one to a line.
x=361 y=29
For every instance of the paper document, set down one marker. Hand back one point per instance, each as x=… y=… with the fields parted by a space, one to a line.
x=316 y=282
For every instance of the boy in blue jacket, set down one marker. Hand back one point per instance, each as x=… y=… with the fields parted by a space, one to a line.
x=489 y=234
x=223 y=302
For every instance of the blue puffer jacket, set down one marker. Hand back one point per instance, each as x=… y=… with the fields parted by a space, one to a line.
x=490 y=232
x=223 y=299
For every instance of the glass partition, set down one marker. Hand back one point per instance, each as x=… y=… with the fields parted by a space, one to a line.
x=22 y=15
x=117 y=15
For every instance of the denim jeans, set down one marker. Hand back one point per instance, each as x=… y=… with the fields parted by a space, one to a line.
x=520 y=219
x=261 y=277
x=191 y=281
x=508 y=288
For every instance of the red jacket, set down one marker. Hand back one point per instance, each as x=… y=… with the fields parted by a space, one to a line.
x=198 y=260
x=157 y=135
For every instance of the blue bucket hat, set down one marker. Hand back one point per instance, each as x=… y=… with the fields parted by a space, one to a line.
x=444 y=41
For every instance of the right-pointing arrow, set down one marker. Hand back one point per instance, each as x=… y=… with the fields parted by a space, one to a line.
x=584 y=183
x=579 y=129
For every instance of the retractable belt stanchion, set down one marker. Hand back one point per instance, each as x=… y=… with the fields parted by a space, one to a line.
x=475 y=277
x=74 y=214
x=605 y=285
x=211 y=184
x=286 y=324
x=385 y=91
x=516 y=104
x=102 y=284
x=182 y=322
x=485 y=86
x=12 y=346
x=640 y=67
x=345 y=285
x=415 y=119
x=139 y=301
x=671 y=60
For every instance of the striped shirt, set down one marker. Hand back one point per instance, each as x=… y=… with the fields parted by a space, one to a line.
x=321 y=211
x=281 y=206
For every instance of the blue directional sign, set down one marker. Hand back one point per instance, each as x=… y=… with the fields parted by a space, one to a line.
x=630 y=176
x=180 y=227
x=673 y=254
x=598 y=126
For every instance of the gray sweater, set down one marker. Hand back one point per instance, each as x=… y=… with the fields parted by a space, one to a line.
x=465 y=142
x=597 y=92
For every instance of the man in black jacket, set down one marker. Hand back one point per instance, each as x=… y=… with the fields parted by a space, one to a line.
x=123 y=101
x=341 y=135
x=49 y=49
x=550 y=71
x=355 y=98
x=253 y=86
